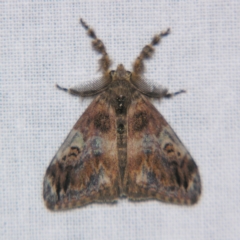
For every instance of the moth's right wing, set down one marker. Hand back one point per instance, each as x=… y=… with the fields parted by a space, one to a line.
x=85 y=168
x=158 y=164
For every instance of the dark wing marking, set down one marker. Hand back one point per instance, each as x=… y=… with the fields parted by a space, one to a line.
x=85 y=168
x=158 y=165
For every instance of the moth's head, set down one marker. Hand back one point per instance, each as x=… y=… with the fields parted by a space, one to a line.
x=120 y=73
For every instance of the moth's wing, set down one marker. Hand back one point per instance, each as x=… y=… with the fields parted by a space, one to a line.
x=85 y=168
x=158 y=165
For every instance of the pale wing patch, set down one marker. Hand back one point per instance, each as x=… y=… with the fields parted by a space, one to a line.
x=73 y=140
x=170 y=142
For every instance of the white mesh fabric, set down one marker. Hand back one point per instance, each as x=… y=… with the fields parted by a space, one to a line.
x=42 y=44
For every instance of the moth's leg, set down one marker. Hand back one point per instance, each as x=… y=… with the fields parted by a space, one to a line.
x=78 y=92
x=61 y=88
x=147 y=51
x=161 y=93
x=104 y=61
x=169 y=95
x=69 y=90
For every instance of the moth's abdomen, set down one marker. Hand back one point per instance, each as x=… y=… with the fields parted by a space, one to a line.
x=121 y=127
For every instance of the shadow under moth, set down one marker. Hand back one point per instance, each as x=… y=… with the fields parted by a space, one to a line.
x=121 y=146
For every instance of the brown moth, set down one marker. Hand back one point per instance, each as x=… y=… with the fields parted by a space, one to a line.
x=121 y=146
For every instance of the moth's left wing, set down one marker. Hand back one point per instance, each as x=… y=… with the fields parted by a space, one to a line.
x=85 y=168
x=158 y=165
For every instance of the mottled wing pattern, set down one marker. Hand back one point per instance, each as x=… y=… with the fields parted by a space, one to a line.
x=85 y=168
x=158 y=165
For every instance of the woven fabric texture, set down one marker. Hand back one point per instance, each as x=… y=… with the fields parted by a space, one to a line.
x=42 y=44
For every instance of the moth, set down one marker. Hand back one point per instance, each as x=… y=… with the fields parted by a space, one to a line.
x=121 y=146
